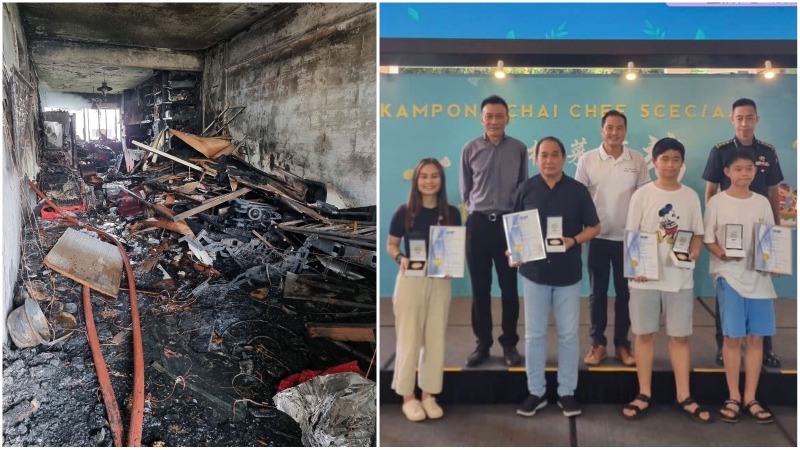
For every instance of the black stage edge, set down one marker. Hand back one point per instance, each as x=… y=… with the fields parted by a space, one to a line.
x=596 y=386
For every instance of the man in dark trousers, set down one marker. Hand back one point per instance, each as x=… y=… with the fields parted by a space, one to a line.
x=492 y=166
x=744 y=117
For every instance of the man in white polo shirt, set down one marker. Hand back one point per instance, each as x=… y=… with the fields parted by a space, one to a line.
x=612 y=173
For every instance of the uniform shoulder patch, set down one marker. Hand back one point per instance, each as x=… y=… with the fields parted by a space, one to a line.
x=723 y=143
x=766 y=144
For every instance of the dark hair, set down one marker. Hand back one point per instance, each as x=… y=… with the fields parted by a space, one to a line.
x=668 y=143
x=732 y=156
x=415 y=197
x=494 y=100
x=550 y=138
x=744 y=102
x=616 y=113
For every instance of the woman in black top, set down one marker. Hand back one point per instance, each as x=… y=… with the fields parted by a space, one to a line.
x=421 y=304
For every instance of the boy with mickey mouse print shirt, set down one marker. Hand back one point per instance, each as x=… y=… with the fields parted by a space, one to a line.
x=664 y=207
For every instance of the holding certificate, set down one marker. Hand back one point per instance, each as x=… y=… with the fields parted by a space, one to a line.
x=671 y=212
x=524 y=236
x=774 y=249
x=447 y=252
x=554 y=280
x=641 y=255
x=421 y=303
x=745 y=295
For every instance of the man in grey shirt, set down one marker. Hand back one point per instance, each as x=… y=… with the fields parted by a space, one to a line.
x=492 y=166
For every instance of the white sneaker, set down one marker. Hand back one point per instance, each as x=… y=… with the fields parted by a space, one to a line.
x=413 y=410
x=432 y=409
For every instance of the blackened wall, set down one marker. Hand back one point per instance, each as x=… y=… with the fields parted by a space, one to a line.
x=19 y=154
x=306 y=74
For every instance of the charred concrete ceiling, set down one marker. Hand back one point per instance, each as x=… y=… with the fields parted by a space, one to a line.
x=75 y=46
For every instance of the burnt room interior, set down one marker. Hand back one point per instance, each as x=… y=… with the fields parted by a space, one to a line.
x=189 y=224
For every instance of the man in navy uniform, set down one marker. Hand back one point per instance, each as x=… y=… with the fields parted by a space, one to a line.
x=744 y=118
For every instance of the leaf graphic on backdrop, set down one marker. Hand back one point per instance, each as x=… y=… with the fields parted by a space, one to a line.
x=700 y=34
x=473 y=80
x=558 y=33
x=654 y=31
x=511 y=35
x=414 y=14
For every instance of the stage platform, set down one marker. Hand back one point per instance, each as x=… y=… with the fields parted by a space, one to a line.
x=480 y=403
x=608 y=383
x=492 y=426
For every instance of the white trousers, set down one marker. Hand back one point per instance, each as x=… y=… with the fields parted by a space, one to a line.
x=421 y=307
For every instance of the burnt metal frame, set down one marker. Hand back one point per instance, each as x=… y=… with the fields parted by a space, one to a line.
x=572 y=53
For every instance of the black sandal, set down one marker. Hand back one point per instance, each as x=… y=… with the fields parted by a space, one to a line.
x=757 y=416
x=734 y=414
x=638 y=412
x=696 y=414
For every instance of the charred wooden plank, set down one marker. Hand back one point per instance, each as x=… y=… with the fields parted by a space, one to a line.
x=357 y=332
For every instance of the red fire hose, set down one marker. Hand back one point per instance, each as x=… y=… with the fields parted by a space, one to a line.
x=110 y=400
x=137 y=409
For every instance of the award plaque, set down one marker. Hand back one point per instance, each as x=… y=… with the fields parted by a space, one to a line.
x=680 y=250
x=734 y=242
x=417 y=258
x=554 y=242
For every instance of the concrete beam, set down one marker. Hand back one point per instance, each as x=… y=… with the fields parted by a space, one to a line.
x=72 y=53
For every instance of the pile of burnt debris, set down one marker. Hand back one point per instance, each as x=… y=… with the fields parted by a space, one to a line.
x=240 y=278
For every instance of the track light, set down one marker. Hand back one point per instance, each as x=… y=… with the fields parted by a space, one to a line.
x=630 y=74
x=768 y=72
x=499 y=73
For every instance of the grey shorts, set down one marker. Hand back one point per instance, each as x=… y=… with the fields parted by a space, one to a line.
x=646 y=306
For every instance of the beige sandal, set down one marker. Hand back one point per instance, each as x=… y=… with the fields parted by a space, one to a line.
x=432 y=409
x=413 y=410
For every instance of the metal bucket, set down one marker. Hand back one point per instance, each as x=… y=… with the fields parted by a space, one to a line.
x=28 y=326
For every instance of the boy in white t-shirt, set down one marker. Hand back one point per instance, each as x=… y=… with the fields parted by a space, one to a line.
x=745 y=295
x=664 y=207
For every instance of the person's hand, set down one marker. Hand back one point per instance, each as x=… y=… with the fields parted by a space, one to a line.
x=693 y=254
x=513 y=265
x=640 y=279
x=569 y=242
x=403 y=265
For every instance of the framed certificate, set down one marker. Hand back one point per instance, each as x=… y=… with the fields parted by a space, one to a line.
x=680 y=250
x=417 y=258
x=641 y=255
x=524 y=236
x=554 y=243
x=773 y=249
x=734 y=242
x=447 y=253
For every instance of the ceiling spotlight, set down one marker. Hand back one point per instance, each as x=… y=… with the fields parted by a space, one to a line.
x=104 y=88
x=499 y=73
x=769 y=72
x=630 y=74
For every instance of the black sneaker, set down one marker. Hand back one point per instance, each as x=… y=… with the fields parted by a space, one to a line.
x=511 y=356
x=530 y=405
x=569 y=406
x=477 y=357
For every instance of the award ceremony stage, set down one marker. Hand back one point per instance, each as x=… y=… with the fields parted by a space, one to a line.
x=480 y=403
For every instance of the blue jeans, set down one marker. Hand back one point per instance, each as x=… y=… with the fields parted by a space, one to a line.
x=565 y=301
